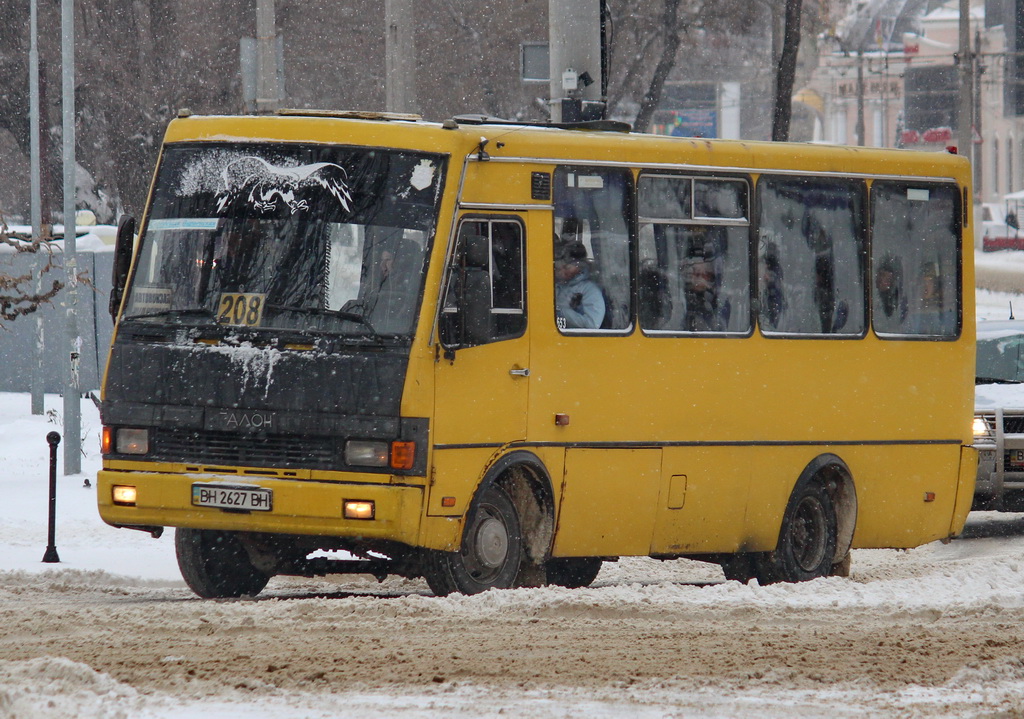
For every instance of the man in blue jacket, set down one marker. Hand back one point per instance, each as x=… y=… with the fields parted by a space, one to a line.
x=579 y=302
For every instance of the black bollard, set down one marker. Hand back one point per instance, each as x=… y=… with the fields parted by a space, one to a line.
x=51 y=548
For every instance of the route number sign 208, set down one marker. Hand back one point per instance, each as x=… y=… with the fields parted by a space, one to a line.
x=240 y=308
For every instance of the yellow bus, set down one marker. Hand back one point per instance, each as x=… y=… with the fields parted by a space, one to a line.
x=497 y=355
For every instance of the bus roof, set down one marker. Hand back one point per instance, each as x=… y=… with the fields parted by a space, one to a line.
x=584 y=142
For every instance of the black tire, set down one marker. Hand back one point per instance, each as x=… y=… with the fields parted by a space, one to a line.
x=740 y=567
x=572 y=572
x=843 y=566
x=807 y=540
x=491 y=553
x=215 y=565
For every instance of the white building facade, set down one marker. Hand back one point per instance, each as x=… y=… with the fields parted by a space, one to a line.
x=901 y=89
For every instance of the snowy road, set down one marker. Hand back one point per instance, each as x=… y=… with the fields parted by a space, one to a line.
x=931 y=632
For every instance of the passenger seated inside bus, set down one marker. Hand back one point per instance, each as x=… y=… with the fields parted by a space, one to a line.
x=889 y=286
x=701 y=283
x=701 y=267
x=930 y=315
x=579 y=301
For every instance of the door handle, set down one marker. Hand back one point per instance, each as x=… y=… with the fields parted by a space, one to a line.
x=516 y=372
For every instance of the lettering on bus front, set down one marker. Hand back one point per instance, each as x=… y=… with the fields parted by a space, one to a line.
x=241 y=419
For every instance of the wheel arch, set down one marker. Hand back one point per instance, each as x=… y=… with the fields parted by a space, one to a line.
x=835 y=476
x=523 y=476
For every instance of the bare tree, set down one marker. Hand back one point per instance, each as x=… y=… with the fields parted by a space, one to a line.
x=667 y=61
x=786 y=72
x=140 y=61
x=647 y=34
x=16 y=299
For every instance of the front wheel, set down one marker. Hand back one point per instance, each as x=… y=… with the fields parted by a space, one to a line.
x=807 y=542
x=491 y=553
x=216 y=565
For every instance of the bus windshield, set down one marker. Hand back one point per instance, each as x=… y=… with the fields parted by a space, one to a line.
x=312 y=238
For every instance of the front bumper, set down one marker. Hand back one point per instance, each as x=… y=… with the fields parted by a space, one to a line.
x=300 y=506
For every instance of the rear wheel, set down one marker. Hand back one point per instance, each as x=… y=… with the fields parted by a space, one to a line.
x=572 y=572
x=491 y=553
x=215 y=564
x=807 y=541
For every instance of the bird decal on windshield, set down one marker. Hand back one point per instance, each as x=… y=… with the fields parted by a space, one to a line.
x=267 y=188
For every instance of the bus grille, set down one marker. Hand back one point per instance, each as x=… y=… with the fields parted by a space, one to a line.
x=244 y=450
x=1013 y=424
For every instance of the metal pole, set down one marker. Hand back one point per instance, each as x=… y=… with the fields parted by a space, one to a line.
x=50 y=556
x=859 y=130
x=574 y=43
x=36 y=192
x=268 y=94
x=964 y=120
x=72 y=392
x=977 y=124
x=399 y=56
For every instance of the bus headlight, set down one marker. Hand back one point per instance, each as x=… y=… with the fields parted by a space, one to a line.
x=132 y=441
x=364 y=453
x=367 y=453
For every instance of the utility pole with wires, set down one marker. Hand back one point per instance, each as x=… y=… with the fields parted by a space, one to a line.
x=400 y=56
x=268 y=90
x=965 y=111
x=577 y=60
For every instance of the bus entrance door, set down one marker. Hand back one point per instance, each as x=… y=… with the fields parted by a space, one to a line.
x=480 y=395
x=483 y=369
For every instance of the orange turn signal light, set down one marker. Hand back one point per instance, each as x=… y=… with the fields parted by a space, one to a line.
x=403 y=455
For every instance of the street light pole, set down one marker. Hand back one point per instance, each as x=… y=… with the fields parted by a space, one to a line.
x=72 y=394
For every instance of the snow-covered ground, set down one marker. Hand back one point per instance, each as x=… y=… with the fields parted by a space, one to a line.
x=971 y=579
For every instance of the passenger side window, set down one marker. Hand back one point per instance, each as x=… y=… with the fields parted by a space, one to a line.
x=694 y=273
x=811 y=256
x=592 y=249
x=485 y=298
x=915 y=234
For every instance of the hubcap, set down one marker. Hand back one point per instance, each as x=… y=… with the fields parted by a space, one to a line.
x=491 y=543
x=809 y=535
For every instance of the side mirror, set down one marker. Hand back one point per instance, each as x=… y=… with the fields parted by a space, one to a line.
x=466 y=315
x=124 y=245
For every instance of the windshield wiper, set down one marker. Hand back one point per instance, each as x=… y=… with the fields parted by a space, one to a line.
x=995 y=380
x=178 y=314
x=340 y=314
